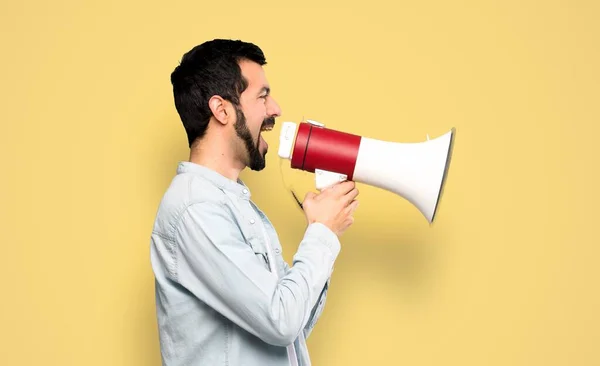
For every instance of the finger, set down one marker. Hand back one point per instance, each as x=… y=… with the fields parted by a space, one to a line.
x=350 y=196
x=325 y=191
x=348 y=222
x=349 y=210
x=344 y=187
x=309 y=195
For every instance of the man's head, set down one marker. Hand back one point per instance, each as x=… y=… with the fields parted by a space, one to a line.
x=221 y=84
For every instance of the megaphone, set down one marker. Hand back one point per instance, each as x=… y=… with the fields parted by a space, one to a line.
x=416 y=171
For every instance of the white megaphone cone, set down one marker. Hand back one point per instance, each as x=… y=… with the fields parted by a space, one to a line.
x=414 y=171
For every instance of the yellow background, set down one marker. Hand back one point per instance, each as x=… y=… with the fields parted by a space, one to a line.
x=508 y=275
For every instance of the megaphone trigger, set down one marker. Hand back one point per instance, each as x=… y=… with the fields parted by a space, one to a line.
x=325 y=179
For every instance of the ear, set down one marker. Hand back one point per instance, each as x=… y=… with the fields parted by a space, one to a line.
x=219 y=109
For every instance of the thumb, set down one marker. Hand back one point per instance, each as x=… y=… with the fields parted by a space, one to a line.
x=310 y=195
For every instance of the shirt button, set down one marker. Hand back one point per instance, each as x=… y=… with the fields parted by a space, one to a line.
x=277 y=250
x=245 y=191
x=252 y=221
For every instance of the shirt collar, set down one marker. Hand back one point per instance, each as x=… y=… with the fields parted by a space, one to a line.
x=236 y=187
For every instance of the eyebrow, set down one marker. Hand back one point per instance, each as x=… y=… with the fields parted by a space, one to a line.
x=265 y=89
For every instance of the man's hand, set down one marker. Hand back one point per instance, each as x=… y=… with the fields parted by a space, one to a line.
x=333 y=207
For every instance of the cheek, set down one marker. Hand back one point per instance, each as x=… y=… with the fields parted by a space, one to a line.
x=258 y=116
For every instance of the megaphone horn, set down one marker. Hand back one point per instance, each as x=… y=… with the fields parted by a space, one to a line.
x=416 y=171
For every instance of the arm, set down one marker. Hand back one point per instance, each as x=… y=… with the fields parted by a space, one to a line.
x=317 y=309
x=220 y=268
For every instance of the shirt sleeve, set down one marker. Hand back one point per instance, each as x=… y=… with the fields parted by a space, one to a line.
x=317 y=309
x=222 y=270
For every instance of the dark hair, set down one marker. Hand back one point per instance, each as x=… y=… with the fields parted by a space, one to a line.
x=211 y=68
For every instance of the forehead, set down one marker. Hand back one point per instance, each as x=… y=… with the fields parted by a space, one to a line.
x=254 y=74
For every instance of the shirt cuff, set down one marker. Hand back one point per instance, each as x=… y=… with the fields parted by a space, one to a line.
x=325 y=235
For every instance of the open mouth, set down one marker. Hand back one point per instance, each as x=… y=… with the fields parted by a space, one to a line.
x=267 y=128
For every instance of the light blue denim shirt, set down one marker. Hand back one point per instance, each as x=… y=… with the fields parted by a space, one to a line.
x=217 y=302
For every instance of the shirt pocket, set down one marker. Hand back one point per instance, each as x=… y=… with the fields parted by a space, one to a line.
x=260 y=251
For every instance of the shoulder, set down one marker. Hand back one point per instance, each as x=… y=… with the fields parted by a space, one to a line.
x=184 y=193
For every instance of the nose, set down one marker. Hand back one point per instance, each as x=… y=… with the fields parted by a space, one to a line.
x=273 y=109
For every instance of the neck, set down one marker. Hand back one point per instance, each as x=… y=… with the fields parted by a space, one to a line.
x=220 y=157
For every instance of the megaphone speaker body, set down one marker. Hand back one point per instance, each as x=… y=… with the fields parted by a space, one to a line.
x=416 y=171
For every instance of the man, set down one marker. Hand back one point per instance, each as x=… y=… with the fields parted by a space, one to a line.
x=224 y=295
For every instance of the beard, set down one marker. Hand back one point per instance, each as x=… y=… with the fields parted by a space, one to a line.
x=256 y=159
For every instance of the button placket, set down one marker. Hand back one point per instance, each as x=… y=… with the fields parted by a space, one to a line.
x=265 y=223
